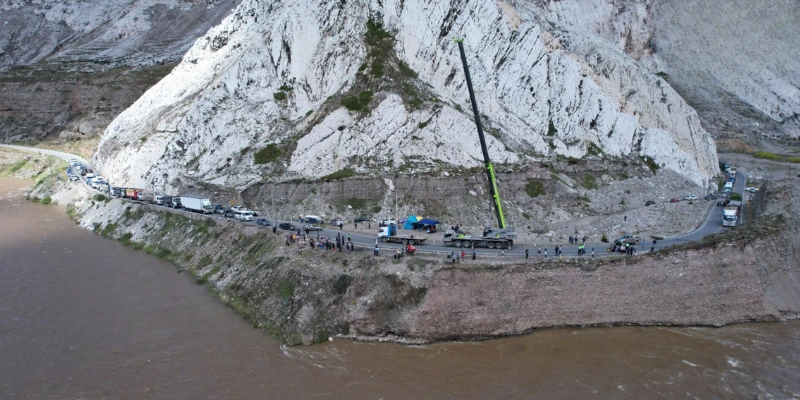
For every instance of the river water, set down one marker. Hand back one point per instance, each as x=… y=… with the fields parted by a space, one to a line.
x=84 y=317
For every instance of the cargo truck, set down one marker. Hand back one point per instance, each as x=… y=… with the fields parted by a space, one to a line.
x=730 y=214
x=197 y=204
x=389 y=234
x=131 y=193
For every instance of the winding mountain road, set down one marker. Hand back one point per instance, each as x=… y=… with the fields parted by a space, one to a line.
x=711 y=224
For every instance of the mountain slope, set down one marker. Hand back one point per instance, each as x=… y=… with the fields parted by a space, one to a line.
x=273 y=76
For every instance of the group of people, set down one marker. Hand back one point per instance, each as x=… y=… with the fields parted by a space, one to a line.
x=575 y=239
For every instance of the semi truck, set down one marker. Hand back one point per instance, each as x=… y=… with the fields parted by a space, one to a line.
x=389 y=234
x=730 y=214
x=197 y=204
x=500 y=239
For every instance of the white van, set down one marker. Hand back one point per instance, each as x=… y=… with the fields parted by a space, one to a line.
x=243 y=215
x=728 y=185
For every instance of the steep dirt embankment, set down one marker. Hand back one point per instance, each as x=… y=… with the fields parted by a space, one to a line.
x=303 y=295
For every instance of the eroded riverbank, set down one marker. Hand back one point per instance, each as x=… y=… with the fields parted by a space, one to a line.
x=303 y=295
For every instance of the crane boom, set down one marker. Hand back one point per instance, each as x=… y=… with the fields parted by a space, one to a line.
x=498 y=207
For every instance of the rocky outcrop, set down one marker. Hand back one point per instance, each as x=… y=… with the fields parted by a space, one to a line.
x=735 y=62
x=70 y=67
x=270 y=83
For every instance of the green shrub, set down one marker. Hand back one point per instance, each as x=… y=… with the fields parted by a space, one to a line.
x=650 y=163
x=286 y=289
x=593 y=149
x=144 y=139
x=604 y=238
x=736 y=196
x=551 y=129
x=340 y=174
x=534 y=189
x=16 y=167
x=589 y=182
x=279 y=96
x=406 y=70
x=285 y=88
x=359 y=102
x=99 y=197
x=268 y=154
x=47 y=199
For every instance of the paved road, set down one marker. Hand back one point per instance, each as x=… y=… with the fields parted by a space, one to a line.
x=712 y=224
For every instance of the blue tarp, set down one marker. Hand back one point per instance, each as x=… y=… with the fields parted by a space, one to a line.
x=412 y=219
x=426 y=221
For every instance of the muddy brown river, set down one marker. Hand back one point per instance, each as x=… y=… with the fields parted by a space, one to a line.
x=84 y=317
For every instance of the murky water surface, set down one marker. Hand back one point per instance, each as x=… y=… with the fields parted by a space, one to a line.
x=84 y=317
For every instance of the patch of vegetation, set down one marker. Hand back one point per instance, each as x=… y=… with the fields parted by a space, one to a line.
x=624 y=176
x=340 y=174
x=593 y=149
x=286 y=289
x=589 y=182
x=650 y=163
x=406 y=70
x=203 y=279
x=110 y=227
x=358 y=103
x=604 y=238
x=99 y=197
x=125 y=239
x=584 y=199
x=551 y=129
x=662 y=74
x=268 y=154
x=244 y=150
x=18 y=165
x=285 y=88
x=46 y=199
x=736 y=196
x=534 y=189
x=775 y=157
x=526 y=215
x=143 y=139
x=279 y=96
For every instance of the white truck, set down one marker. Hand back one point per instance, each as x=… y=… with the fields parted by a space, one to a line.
x=389 y=234
x=730 y=215
x=197 y=204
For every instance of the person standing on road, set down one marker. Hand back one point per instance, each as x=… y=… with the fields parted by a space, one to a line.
x=652 y=249
x=545 y=252
x=375 y=252
x=526 y=254
x=592 y=252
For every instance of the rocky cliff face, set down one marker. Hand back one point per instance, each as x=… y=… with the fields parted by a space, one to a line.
x=305 y=89
x=736 y=62
x=69 y=67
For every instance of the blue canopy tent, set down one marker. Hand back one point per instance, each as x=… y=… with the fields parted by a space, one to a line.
x=426 y=223
x=412 y=219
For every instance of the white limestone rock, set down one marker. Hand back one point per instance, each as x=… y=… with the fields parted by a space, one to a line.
x=217 y=106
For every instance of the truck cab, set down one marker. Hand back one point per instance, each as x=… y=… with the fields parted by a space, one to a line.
x=387 y=231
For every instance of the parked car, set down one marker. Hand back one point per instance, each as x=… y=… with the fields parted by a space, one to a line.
x=312 y=227
x=243 y=215
x=74 y=178
x=387 y=222
x=649 y=203
x=674 y=200
x=73 y=162
x=263 y=222
x=219 y=209
x=229 y=213
x=751 y=189
x=627 y=239
x=690 y=197
x=337 y=222
x=287 y=226
x=710 y=196
x=360 y=218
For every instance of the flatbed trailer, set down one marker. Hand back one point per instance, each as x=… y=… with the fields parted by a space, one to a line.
x=389 y=234
x=452 y=238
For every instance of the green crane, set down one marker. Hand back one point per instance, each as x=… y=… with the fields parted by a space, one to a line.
x=498 y=207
